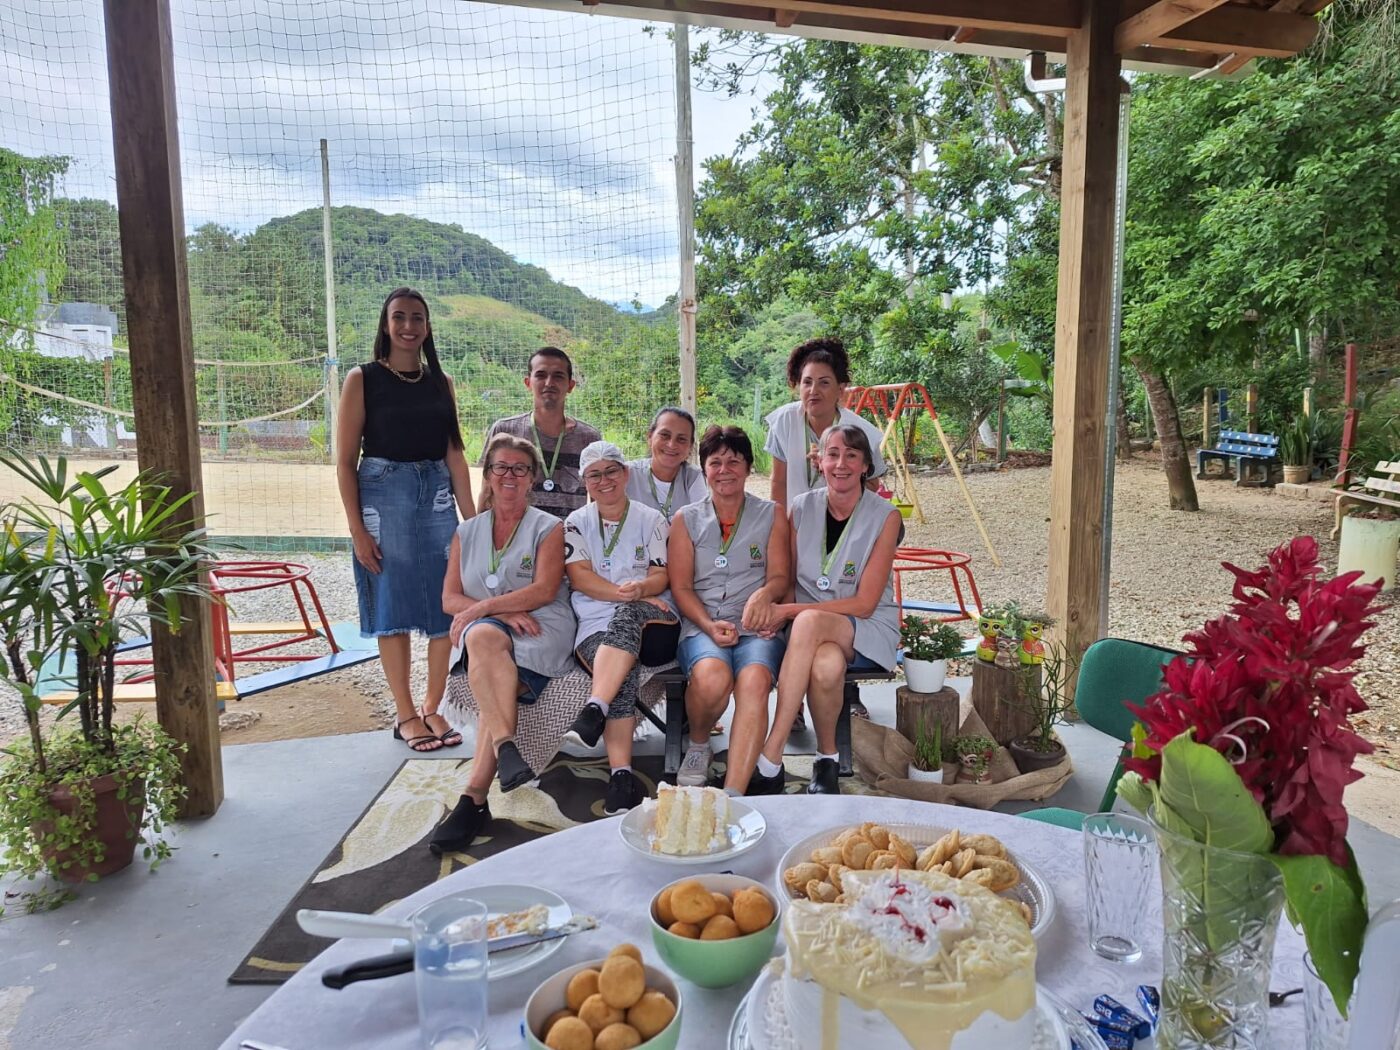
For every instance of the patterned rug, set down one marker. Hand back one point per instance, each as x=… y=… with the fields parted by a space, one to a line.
x=384 y=857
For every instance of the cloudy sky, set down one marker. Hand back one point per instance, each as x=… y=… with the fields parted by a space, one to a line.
x=552 y=135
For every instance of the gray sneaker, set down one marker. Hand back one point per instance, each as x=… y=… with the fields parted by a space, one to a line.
x=695 y=766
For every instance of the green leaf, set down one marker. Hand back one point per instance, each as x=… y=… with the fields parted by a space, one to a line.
x=1329 y=903
x=1200 y=786
x=1137 y=792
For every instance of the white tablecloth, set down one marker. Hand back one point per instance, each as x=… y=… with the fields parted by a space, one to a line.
x=591 y=868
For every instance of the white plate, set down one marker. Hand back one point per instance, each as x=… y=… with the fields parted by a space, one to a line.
x=1058 y=1024
x=502 y=900
x=746 y=828
x=1033 y=889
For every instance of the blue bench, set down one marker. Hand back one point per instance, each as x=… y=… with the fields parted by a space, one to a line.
x=1247 y=451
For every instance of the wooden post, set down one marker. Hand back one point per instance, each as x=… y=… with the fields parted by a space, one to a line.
x=141 y=74
x=1251 y=408
x=1349 y=420
x=1207 y=404
x=1001 y=425
x=1308 y=401
x=999 y=696
x=685 y=205
x=913 y=709
x=110 y=418
x=1083 y=326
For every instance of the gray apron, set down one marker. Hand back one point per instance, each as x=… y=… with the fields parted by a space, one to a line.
x=687 y=488
x=550 y=652
x=725 y=591
x=877 y=636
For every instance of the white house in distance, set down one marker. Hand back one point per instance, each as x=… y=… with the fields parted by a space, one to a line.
x=85 y=331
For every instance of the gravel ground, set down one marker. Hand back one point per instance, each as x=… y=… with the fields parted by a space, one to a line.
x=1166 y=578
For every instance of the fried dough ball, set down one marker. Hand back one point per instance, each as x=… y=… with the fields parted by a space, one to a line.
x=597 y=1014
x=581 y=986
x=627 y=949
x=569 y=1033
x=549 y=1021
x=650 y=1014
x=720 y=928
x=617 y=1037
x=622 y=981
x=753 y=911
x=691 y=902
x=723 y=905
x=684 y=929
x=664 y=914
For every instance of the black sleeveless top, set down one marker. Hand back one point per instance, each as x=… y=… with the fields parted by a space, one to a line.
x=407 y=422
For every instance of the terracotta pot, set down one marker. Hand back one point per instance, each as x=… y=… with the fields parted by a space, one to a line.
x=1028 y=759
x=117 y=826
x=1296 y=475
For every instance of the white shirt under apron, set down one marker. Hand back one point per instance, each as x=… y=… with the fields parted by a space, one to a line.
x=689 y=485
x=641 y=545
x=548 y=653
x=877 y=636
x=790 y=440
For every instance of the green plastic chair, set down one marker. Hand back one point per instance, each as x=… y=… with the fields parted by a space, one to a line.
x=1114 y=673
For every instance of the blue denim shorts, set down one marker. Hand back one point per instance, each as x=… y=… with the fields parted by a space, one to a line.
x=750 y=649
x=409 y=510
x=533 y=682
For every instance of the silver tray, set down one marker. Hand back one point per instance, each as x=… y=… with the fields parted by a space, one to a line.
x=1033 y=889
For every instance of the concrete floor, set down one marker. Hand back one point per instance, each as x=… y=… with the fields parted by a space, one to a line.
x=140 y=960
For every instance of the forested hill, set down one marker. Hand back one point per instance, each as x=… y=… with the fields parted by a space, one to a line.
x=377 y=251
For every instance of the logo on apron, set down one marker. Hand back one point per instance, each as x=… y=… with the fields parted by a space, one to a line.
x=527 y=562
x=849 y=571
x=754 y=553
x=640 y=553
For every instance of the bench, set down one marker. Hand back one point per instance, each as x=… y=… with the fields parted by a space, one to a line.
x=139 y=693
x=1381 y=489
x=676 y=725
x=1245 y=450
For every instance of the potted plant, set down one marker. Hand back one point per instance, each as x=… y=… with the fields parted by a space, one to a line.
x=82 y=568
x=927 y=765
x=1050 y=704
x=928 y=646
x=1295 y=449
x=975 y=757
x=1369 y=541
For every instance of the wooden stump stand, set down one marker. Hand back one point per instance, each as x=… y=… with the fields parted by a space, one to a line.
x=940 y=708
x=1000 y=700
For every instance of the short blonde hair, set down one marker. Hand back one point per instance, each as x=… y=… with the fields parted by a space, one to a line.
x=510 y=443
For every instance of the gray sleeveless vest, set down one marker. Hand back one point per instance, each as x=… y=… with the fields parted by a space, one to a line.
x=687 y=488
x=724 y=592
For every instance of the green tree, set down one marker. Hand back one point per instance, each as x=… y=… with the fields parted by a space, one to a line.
x=92 y=254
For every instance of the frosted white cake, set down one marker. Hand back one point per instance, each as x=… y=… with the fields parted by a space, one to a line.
x=917 y=959
x=690 y=820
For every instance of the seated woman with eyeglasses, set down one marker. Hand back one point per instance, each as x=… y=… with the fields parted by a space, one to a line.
x=841 y=606
x=512 y=627
x=615 y=555
x=728 y=566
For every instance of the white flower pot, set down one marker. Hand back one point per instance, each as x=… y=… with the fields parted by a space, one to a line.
x=1370 y=545
x=928 y=776
x=925 y=676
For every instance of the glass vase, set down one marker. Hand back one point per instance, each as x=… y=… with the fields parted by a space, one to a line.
x=1220 y=913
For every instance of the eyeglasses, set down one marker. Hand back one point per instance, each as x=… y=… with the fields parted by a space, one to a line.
x=595 y=476
x=515 y=470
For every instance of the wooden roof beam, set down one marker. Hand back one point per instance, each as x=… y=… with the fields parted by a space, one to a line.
x=1277 y=33
x=784 y=18
x=1049 y=17
x=1161 y=18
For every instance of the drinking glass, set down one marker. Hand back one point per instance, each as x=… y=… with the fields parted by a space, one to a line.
x=1327 y=1028
x=1120 y=866
x=449 y=969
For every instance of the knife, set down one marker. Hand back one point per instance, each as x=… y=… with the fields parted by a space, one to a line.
x=401 y=961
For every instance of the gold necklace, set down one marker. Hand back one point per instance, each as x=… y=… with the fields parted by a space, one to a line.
x=400 y=376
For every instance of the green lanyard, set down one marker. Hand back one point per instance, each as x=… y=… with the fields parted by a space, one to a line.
x=828 y=558
x=558 y=446
x=807 y=457
x=724 y=543
x=608 y=548
x=494 y=562
x=670 y=495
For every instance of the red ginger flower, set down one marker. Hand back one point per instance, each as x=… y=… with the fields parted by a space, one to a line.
x=1266 y=685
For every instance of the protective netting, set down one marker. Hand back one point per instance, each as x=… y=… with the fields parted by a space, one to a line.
x=515 y=165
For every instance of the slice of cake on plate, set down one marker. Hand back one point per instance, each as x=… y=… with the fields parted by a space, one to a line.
x=690 y=820
x=915 y=959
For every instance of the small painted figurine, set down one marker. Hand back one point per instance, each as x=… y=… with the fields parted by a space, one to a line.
x=1032 y=648
x=1008 y=646
x=990 y=629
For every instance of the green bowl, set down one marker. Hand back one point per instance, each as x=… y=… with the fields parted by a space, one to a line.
x=717 y=964
x=549 y=997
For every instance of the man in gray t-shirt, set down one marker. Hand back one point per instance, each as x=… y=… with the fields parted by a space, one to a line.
x=550 y=378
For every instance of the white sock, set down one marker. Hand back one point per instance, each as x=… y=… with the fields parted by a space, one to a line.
x=621 y=769
x=768 y=769
x=733 y=792
x=834 y=758
x=602 y=705
x=704 y=745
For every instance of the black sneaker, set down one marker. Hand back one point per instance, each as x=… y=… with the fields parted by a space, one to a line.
x=588 y=725
x=461 y=827
x=859 y=710
x=513 y=770
x=774 y=785
x=799 y=722
x=824 y=778
x=624 y=792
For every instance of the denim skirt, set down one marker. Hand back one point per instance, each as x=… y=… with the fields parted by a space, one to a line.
x=409 y=510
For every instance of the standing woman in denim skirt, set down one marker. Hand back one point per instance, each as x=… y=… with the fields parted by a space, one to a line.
x=403 y=480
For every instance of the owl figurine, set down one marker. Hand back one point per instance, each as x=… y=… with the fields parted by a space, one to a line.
x=989 y=627
x=1007 y=645
x=1032 y=648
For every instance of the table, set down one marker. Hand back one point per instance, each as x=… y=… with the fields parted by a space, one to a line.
x=591 y=868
